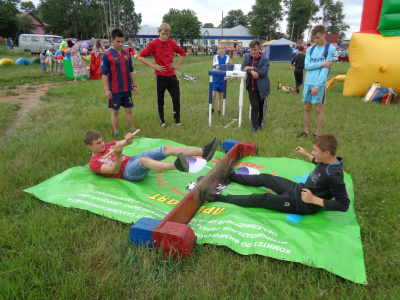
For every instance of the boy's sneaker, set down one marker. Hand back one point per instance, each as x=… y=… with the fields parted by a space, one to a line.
x=315 y=135
x=179 y=124
x=163 y=125
x=207 y=195
x=133 y=129
x=116 y=133
x=181 y=163
x=254 y=129
x=229 y=171
x=209 y=150
x=303 y=134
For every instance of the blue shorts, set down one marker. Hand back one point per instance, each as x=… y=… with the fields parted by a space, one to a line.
x=120 y=99
x=134 y=170
x=42 y=66
x=218 y=86
x=319 y=98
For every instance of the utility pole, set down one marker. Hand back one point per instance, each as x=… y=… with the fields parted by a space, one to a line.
x=309 y=28
x=222 y=25
x=119 y=18
x=292 y=31
x=109 y=9
x=125 y=31
x=105 y=17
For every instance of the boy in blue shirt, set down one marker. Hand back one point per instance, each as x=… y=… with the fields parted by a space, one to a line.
x=118 y=80
x=318 y=63
x=218 y=81
x=42 y=61
x=51 y=60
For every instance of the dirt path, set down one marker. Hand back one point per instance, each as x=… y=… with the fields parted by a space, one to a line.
x=28 y=95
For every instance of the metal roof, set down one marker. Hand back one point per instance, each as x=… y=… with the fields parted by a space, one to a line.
x=238 y=31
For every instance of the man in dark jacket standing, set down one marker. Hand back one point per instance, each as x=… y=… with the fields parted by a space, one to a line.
x=257 y=84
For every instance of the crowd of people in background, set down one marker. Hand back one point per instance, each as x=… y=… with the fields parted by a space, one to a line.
x=254 y=64
x=7 y=41
x=231 y=51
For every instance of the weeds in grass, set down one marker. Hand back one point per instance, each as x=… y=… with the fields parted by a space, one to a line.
x=8 y=113
x=11 y=93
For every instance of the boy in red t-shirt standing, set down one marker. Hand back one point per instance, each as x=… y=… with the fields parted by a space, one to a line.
x=163 y=50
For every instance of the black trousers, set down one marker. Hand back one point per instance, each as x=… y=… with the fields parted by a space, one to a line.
x=258 y=108
x=298 y=77
x=287 y=199
x=171 y=84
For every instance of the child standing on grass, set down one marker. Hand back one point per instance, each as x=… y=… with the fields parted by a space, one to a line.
x=51 y=60
x=257 y=84
x=42 y=61
x=218 y=81
x=298 y=64
x=131 y=50
x=118 y=80
x=163 y=50
x=59 y=63
x=317 y=63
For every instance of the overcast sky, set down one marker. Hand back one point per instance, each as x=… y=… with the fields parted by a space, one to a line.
x=210 y=11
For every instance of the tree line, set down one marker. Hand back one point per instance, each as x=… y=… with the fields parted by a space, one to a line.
x=84 y=19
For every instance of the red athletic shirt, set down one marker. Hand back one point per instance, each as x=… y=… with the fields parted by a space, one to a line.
x=96 y=162
x=163 y=53
x=131 y=50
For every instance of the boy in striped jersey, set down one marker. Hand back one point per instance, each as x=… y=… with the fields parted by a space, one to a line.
x=118 y=80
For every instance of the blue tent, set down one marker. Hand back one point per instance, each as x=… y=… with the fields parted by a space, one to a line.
x=280 y=50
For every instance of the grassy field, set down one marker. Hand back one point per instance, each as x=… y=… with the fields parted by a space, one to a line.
x=48 y=251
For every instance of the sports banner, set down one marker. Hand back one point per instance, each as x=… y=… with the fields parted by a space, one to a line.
x=328 y=240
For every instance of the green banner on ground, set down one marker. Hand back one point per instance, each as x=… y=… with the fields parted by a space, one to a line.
x=328 y=240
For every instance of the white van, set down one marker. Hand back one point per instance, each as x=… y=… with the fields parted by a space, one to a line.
x=32 y=43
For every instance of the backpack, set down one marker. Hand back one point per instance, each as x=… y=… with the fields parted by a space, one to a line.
x=325 y=51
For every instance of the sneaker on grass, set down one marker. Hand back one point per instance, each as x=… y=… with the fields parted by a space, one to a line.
x=303 y=134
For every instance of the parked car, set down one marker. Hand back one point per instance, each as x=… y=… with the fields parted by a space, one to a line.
x=32 y=43
x=106 y=43
x=91 y=44
x=72 y=39
x=125 y=46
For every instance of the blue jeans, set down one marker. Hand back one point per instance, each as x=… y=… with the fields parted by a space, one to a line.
x=134 y=170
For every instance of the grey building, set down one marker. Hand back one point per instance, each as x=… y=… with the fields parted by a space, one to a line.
x=236 y=36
